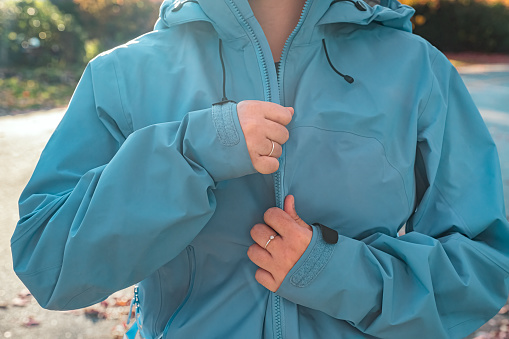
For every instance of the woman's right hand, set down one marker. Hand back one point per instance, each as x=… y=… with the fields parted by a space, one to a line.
x=264 y=123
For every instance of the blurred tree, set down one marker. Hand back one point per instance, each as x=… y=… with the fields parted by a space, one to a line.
x=463 y=25
x=67 y=6
x=113 y=22
x=36 y=33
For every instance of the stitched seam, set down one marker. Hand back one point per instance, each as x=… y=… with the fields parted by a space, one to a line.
x=65 y=195
x=127 y=121
x=39 y=271
x=225 y=126
x=160 y=301
x=77 y=295
x=460 y=240
x=381 y=144
x=433 y=184
x=314 y=263
x=430 y=91
x=452 y=209
x=461 y=323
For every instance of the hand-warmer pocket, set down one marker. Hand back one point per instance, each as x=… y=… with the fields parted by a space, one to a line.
x=192 y=270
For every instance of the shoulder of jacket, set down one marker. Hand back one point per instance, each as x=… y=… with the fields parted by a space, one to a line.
x=420 y=45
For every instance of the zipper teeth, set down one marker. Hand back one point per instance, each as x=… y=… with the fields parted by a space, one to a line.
x=268 y=97
x=307 y=4
x=277 y=307
x=279 y=174
x=265 y=70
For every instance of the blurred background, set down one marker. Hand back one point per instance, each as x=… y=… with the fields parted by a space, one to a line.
x=45 y=44
x=44 y=48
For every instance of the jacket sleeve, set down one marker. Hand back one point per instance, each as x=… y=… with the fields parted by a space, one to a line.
x=105 y=208
x=448 y=274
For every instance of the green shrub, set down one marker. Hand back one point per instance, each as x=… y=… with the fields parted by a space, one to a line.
x=35 y=33
x=23 y=89
x=463 y=25
x=113 y=22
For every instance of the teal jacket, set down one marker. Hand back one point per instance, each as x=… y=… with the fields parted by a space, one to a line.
x=148 y=179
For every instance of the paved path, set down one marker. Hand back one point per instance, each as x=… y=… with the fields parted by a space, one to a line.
x=23 y=137
x=489 y=87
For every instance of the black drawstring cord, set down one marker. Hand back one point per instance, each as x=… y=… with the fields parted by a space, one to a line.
x=348 y=78
x=224 y=99
x=179 y=5
x=359 y=5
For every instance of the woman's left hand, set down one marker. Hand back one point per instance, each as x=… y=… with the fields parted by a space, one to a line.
x=275 y=258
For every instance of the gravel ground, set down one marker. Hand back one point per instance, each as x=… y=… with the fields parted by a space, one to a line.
x=22 y=138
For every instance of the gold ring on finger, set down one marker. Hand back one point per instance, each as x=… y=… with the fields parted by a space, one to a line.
x=268 y=241
x=272 y=151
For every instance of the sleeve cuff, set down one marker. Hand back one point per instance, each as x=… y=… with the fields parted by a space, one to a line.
x=311 y=263
x=219 y=147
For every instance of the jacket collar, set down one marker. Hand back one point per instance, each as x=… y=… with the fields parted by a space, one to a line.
x=225 y=15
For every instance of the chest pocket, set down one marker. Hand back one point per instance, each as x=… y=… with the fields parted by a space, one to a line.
x=345 y=181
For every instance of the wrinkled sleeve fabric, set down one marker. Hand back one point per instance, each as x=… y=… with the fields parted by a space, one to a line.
x=448 y=274
x=106 y=207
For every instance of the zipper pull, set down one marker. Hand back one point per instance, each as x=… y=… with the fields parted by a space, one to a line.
x=134 y=301
x=135 y=328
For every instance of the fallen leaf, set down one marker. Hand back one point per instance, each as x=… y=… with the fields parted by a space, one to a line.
x=24 y=293
x=123 y=302
x=504 y=310
x=94 y=313
x=117 y=332
x=19 y=302
x=30 y=321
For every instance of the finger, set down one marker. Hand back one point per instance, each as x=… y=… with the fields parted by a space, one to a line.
x=274 y=153
x=266 y=279
x=261 y=234
x=279 y=221
x=292 y=110
x=279 y=114
x=289 y=207
x=266 y=165
x=276 y=132
x=260 y=257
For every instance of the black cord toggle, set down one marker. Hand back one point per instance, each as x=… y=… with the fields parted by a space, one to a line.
x=358 y=4
x=347 y=78
x=179 y=5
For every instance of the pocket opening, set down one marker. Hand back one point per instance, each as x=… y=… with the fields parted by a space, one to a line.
x=192 y=269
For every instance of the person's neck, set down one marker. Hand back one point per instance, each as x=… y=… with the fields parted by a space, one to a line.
x=278 y=19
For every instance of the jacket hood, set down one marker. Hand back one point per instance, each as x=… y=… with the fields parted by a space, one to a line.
x=221 y=13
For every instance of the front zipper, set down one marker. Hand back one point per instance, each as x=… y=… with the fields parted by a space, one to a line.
x=258 y=47
x=191 y=258
x=278 y=176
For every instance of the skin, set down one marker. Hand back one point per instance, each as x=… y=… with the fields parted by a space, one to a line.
x=281 y=254
x=277 y=19
x=262 y=124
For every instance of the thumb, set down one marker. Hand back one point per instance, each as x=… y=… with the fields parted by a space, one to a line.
x=289 y=208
